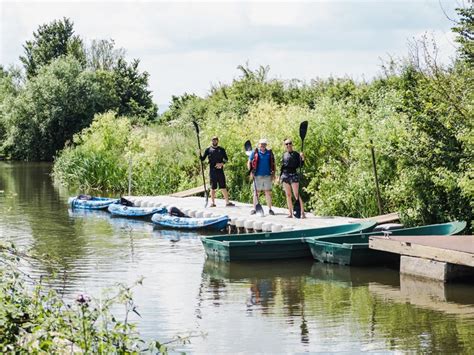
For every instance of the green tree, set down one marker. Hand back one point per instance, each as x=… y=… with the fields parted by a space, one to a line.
x=51 y=41
x=60 y=101
x=132 y=89
x=465 y=31
x=9 y=88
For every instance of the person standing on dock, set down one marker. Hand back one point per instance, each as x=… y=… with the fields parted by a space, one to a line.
x=289 y=177
x=217 y=158
x=262 y=166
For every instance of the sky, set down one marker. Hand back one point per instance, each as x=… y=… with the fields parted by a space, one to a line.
x=189 y=46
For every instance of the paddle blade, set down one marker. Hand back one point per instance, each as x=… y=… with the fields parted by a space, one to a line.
x=248 y=146
x=303 y=129
x=297 y=209
x=196 y=127
x=259 y=210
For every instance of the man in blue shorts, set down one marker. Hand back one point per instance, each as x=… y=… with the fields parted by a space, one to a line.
x=262 y=165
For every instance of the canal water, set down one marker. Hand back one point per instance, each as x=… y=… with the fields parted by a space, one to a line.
x=274 y=307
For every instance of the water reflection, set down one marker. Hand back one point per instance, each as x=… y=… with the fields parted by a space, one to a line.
x=264 y=307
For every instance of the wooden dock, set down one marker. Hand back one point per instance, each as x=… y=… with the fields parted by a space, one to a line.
x=240 y=217
x=436 y=257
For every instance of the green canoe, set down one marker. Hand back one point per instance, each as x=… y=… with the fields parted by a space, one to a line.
x=353 y=249
x=278 y=245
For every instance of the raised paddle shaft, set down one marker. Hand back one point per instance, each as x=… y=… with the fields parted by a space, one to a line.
x=258 y=206
x=202 y=165
x=296 y=205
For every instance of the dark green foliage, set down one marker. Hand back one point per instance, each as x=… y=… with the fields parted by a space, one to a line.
x=35 y=319
x=131 y=89
x=60 y=101
x=51 y=41
x=465 y=30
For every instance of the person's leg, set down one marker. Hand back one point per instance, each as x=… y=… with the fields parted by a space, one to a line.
x=268 y=190
x=213 y=179
x=223 y=188
x=258 y=185
x=295 y=188
x=268 y=198
x=226 y=195
x=289 y=201
x=213 y=197
x=302 y=208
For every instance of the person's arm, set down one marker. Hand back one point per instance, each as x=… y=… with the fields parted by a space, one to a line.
x=272 y=165
x=249 y=162
x=206 y=154
x=301 y=159
x=225 y=159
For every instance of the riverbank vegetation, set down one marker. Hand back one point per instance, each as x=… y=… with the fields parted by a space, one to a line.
x=417 y=115
x=36 y=319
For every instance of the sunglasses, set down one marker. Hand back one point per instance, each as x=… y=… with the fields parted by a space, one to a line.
x=290 y=143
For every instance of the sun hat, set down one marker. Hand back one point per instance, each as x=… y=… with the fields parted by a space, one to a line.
x=263 y=141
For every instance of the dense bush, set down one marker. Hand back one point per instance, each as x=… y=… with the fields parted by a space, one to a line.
x=162 y=158
x=35 y=319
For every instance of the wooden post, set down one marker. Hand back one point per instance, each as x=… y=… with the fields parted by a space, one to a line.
x=130 y=175
x=374 y=165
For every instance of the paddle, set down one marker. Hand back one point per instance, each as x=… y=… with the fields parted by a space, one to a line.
x=258 y=206
x=202 y=165
x=296 y=205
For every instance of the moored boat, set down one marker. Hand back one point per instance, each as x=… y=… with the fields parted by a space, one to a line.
x=353 y=249
x=91 y=202
x=132 y=211
x=277 y=245
x=170 y=221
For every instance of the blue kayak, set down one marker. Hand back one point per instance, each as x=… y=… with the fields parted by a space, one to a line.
x=91 y=202
x=167 y=220
x=133 y=211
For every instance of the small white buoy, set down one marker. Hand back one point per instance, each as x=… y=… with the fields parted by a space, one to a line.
x=239 y=222
x=277 y=228
x=199 y=214
x=257 y=225
x=248 y=224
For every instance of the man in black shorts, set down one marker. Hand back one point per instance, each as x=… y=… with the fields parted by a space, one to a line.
x=217 y=159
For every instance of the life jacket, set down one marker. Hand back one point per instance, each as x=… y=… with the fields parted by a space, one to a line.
x=255 y=161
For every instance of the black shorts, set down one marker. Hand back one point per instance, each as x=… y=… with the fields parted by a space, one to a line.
x=217 y=177
x=290 y=178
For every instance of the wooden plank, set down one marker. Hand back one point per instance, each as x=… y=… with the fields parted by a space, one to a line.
x=454 y=250
x=385 y=218
x=190 y=192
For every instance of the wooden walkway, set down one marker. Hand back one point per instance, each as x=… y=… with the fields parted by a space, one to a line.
x=454 y=249
x=435 y=257
x=191 y=192
x=240 y=214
